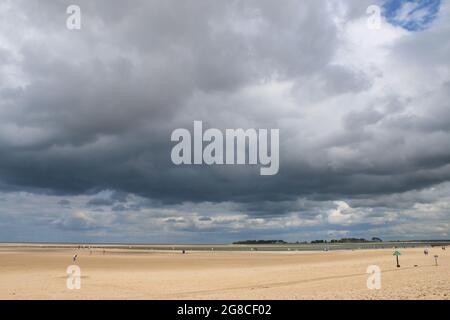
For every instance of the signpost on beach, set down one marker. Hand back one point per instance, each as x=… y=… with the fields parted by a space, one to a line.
x=435 y=259
x=396 y=254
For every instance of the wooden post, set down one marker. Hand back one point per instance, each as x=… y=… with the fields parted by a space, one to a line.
x=396 y=254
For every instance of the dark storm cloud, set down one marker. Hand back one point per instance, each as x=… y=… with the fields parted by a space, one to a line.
x=119 y=207
x=64 y=202
x=103 y=120
x=94 y=108
x=99 y=202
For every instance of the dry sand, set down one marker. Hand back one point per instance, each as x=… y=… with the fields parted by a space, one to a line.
x=40 y=273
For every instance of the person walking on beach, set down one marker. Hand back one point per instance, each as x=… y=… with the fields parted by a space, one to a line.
x=75 y=258
x=425 y=252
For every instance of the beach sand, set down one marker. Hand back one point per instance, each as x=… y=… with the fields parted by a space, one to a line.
x=40 y=273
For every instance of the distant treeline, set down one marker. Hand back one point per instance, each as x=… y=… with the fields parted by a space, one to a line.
x=261 y=242
x=343 y=240
x=348 y=240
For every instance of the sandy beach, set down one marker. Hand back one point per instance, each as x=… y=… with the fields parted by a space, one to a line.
x=119 y=273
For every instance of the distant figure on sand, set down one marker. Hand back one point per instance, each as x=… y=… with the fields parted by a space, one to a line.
x=425 y=252
x=75 y=258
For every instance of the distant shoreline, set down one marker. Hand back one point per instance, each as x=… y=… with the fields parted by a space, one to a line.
x=213 y=244
x=232 y=247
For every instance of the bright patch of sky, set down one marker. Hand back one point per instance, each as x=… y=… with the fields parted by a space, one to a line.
x=412 y=15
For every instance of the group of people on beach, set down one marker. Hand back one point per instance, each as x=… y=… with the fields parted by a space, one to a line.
x=425 y=252
x=75 y=256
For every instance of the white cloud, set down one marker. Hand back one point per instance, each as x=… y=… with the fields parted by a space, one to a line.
x=344 y=215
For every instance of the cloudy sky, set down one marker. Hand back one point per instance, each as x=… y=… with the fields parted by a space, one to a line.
x=86 y=117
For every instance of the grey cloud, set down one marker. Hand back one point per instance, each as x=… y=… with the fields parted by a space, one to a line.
x=175 y=220
x=64 y=202
x=119 y=207
x=77 y=221
x=100 y=202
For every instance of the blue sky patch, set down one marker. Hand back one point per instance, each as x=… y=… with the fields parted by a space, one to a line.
x=412 y=15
